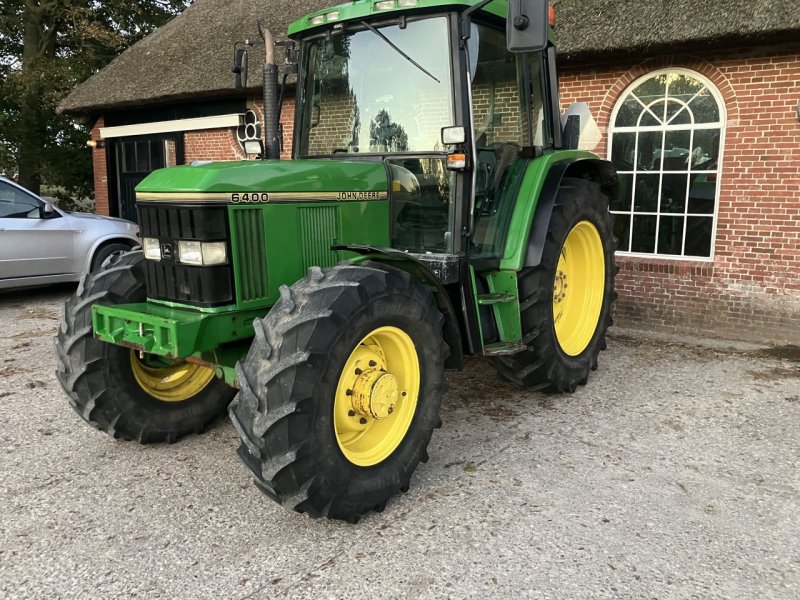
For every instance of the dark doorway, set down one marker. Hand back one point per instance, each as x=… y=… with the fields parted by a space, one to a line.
x=134 y=158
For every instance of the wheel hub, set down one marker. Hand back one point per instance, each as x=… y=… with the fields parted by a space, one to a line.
x=375 y=394
x=376 y=397
x=560 y=286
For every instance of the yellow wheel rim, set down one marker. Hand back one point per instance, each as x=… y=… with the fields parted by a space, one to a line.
x=170 y=383
x=578 y=288
x=376 y=396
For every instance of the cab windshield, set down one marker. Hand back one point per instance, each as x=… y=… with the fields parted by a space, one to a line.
x=362 y=95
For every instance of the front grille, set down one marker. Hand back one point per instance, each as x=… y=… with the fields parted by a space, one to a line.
x=250 y=255
x=318 y=230
x=170 y=280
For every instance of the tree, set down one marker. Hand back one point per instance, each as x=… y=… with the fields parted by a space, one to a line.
x=47 y=47
x=385 y=132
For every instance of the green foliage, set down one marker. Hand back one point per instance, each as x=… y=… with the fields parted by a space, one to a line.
x=47 y=47
x=385 y=132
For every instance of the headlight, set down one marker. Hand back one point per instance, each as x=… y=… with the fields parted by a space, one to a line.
x=151 y=248
x=202 y=254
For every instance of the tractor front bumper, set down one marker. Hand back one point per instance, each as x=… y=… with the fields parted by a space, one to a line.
x=170 y=332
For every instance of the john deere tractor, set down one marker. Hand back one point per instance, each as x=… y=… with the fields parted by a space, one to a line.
x=435 y=208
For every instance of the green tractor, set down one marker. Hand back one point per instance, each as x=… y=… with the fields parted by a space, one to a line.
x=435 y=209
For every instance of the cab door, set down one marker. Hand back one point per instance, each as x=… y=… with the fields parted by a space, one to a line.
x=31 y=243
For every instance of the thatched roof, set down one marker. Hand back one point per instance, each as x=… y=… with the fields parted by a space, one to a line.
x=591 y=29
x=190 y=57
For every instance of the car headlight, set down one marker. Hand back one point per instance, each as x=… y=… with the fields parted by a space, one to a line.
x=202 y=254
x=151 y=248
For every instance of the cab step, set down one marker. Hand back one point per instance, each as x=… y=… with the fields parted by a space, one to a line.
x=489 y=299
x=502 y=348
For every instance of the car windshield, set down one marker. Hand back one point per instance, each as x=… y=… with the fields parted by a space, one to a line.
x=386 y=90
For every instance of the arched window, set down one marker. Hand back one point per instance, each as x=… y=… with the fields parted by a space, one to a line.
x=666 y=137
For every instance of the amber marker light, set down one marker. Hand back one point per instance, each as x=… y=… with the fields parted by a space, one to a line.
x=456 y=161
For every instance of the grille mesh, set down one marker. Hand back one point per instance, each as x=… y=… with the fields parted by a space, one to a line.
x=251 y=257
x=318 y=230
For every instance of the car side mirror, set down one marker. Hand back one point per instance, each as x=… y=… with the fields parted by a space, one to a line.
x=47 y=211
x=528 y=25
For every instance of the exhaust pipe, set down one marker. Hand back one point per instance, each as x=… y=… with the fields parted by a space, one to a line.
x=272 y=146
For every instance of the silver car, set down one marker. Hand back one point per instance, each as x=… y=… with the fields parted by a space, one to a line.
x=42 y=244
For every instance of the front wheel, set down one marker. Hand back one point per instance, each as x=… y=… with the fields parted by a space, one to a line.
x=566 y=300
x=340 y=391
x=130 y=395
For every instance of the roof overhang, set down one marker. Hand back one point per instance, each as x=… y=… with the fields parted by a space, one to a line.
x=214 y=122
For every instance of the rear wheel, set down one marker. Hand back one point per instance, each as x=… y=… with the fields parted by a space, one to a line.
x=341 y=389
x=566 y=300
x=130 y=395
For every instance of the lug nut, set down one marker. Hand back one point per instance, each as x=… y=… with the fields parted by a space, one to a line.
x=405 y=393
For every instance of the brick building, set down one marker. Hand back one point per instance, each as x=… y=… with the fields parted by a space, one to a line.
x=698 y=105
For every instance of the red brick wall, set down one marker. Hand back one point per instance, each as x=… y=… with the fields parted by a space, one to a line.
x=751 y=289
x=100 y=171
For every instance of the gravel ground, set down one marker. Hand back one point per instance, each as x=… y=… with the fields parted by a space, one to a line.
x=673 y=474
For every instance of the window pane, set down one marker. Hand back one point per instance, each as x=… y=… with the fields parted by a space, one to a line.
x=702 y=193
x=157 y=158
x=496 y=106
x=683 y=87
x=142 y=157
x=698 y=236
x=673 y=193
x=622 y=229
x=129 y=157
x=705 y=108
x=670 y=235
x=705 y=150
x=363 y=96
x=628 y=115
x=623 y=147
x=644 y=234
x=653 y=115
x=649 y=150
x=651 y=89
x=646 y=194
x=676 y=150
x=420 y=201
x=678 y=114
x=623 y=202
x=17 y=204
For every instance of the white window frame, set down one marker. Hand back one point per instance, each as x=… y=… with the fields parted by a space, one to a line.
x=721 y=125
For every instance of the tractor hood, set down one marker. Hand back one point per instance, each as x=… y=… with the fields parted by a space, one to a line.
x=266 y=181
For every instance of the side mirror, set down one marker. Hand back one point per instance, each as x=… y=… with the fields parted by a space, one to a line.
x=572 y=132
x=528 y=25
x=240 y=68
x=47 y=211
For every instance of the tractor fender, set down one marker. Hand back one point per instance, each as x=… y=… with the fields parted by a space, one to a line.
x=419 y=271
x=596 y=169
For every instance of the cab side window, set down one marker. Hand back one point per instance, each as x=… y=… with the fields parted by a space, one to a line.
x=16 y=204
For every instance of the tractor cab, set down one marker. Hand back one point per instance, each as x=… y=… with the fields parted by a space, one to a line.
x=433 y=91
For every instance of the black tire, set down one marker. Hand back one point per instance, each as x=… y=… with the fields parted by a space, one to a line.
x=284 y=410
x=544 y=365
x=98 y=377
x=106 y=251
